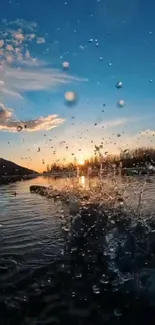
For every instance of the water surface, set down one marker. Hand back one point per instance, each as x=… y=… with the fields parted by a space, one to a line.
x=37 y=280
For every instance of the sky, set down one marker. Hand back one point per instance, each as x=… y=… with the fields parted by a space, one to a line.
x=60 y=62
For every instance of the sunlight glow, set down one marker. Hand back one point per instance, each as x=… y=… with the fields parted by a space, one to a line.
x=81 y=162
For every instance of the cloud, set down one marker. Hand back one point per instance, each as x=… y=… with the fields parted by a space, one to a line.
x=42 y=123
x=147 y=133
x=18 y=81
x=16 y=35
x=145 y=138
x=27 y=54
x=118 y=122
x=19 y=36
x=7 y=123
x=1 y=43
x=2 y=83
x=4 y=91
x=19 y=70
x=27 y=25
x=30 y=37
x=9 y=47
x=9 y=58
x=40 y=40
x=113 y=123
x=5 y=113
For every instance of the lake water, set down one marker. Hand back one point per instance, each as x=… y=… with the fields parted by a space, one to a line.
x=31 y=240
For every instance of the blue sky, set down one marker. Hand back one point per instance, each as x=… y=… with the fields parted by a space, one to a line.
x=105 y=42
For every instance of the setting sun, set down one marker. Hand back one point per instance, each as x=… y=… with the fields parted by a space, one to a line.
x=81 y=162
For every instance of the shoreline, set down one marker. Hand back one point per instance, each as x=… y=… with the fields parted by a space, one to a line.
x=5 y=180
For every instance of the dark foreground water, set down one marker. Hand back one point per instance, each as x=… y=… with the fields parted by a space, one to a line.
x=97 y=269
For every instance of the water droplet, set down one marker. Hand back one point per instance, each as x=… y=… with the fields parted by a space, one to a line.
x=110 y=64
x=150 y=80
x=66 y=229
x=117 y=312
x=25 y=298
x=78 y=275
x=120 y=201
x=96 y=289
x=19 y=128
x=121 y=103
x=65 y=65
x=119 y=85
x=70 y=97
x=118 y=135
x=74 y=249
x=104 y=279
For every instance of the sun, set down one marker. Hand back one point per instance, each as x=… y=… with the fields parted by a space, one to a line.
x=81 y=162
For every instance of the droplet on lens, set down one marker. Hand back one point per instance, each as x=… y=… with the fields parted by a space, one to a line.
x=121 y=103
x=96 y=289
x=19 y=128
x=70 y=97
x=65 y=65
x=119 y=85
x=117 y=312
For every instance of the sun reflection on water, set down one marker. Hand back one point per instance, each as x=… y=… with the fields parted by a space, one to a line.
x=82 y=181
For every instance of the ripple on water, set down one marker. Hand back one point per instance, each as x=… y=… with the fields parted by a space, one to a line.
x=37 y=288
x=29 y=225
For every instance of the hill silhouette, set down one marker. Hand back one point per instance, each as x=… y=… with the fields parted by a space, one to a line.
x=9 y=168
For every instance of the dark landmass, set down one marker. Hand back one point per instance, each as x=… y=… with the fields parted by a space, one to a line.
x=140 y=158
x=11 y=172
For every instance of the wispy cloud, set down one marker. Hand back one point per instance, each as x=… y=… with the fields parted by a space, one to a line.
x=19 y=70
x=10 y=93
x=28 y=25
x=5 y=91
x=18 y=81
x=7 y=123
x=118 y=122
x=113 y=122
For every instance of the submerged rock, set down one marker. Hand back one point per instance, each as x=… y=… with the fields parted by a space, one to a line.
x=37 y=188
